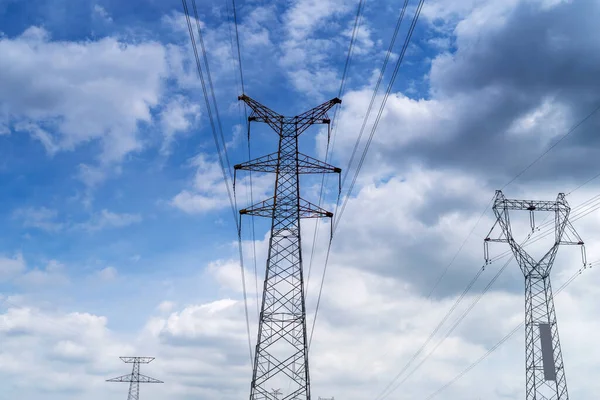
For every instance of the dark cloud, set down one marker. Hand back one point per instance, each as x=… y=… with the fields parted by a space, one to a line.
x=518 y=79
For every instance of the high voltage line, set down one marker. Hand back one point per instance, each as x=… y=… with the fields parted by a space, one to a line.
x=349 y=192
x=372 y=133
x=386 y=391
x=504 y=339
x=218 y=144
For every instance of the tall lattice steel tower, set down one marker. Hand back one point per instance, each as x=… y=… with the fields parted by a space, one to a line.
x=281 y=348
x=135 y=378
x=545 y=372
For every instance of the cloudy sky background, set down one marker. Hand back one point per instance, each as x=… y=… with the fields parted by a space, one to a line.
x=118 y=239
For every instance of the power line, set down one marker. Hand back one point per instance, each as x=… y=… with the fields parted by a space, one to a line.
x=374 y=96
x=251 y=190
x=501 y=341
x=374 y=128
x=449 y=332
x=383 y=104
x=563 y=137
x=575 y=218
x=212 y=89
x=527 y=241
x=329 y=149
x=216 y=139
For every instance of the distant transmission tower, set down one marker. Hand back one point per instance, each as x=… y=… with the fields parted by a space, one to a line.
x=545 y=372
x=281 y=348
x=135 y=378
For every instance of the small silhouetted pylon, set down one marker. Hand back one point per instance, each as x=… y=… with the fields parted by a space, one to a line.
x=135 y=378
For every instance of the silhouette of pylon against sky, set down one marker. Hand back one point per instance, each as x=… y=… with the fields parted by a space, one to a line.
x=281 y=352
x=135 y=378
x=544 y=368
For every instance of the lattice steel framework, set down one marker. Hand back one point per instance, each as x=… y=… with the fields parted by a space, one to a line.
x=135 y=378
x=544 y=367
x=281 y=349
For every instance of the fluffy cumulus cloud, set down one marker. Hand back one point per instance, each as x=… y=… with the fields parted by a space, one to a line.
x=208 y=191
x=105 y=90
x=369 y=327
x=499 y=97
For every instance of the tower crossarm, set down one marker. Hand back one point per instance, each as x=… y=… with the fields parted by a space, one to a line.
x=140 y=360
x=124 y=378
x=261 y=113
x=147 y=379
x=265 y=208
x=306 y=165
x=135 y=378
x=289 y=126
x=317 y=115
x=131 y=378
x=530 y=205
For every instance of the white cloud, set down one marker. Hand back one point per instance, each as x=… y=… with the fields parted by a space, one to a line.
x=178 y=116
x=100 y=12
x=208 y=191
x=101 y=95
x=166 y=307
x=228 y=275
x=108 y=219
x=53 y=274
x=107 y=274
x=40 y=134
x=11 y=267
x=40 y=217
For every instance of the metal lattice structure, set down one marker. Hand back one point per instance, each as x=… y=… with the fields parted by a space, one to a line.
x=135 y=378
x=545 y=372
x=281 y=350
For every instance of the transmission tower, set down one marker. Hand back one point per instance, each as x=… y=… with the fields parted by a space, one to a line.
x=544 y=368
x=281 y=348
x=135 y=378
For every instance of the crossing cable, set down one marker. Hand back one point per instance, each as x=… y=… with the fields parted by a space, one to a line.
x=397 y=67
x=383 y=104
x=241 y=82
x=212 y=89
x=374 y=95
x=563 y=137
x=576 y=217
x=329 y=149
x=503 y=340
x=456 y=323
x=218 y=145
x=386 y=391
x=526 y=242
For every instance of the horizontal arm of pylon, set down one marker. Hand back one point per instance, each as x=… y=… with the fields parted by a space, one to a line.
x=529 y=205
x=124 y=378
x=260 y=113
x=147 y=379
x=286 y=125
x=317 y=115
x=306 y=165
x=265 y=209
x=141 y=360
x=131 y=378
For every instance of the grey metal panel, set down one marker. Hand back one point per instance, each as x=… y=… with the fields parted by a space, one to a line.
x=547 y=352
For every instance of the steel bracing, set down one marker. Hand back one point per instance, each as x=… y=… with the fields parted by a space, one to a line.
x=135 y=378
x=281 y=353
x=544 y=367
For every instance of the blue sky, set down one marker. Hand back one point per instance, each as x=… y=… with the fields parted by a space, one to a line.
x=117 y=233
